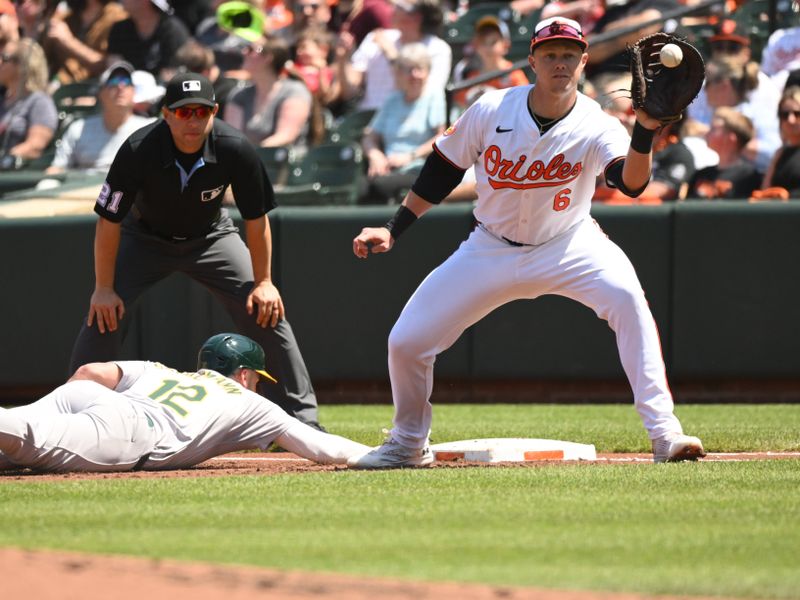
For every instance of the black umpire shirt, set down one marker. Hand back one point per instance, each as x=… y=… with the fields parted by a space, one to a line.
x=183 y=202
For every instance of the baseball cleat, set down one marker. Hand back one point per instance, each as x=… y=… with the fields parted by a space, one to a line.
x=677 y=447
x=392 y=455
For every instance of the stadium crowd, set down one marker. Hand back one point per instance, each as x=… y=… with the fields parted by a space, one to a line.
x=78 y=76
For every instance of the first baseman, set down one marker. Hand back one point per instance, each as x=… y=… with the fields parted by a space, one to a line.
x=537 y=150
x=133 y=415
x=160 y=211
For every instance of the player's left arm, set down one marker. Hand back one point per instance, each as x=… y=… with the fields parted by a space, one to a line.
x=632 y=174
x=264 y=297
x=107 y=374
x=639 y=162
x=320 y=447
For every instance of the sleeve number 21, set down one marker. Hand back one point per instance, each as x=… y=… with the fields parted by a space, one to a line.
x=172 y=392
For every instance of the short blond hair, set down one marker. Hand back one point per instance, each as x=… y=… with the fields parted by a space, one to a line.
x=32 y=63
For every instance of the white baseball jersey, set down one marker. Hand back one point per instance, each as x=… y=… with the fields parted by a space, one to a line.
x=532 y=187
x=199 y=415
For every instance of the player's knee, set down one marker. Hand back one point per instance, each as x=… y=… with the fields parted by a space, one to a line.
x=620 y=299
x=89 y=372
x=403 y=343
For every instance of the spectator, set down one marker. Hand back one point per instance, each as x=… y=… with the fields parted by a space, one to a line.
x=149 y=38
x=490 y=43
x=229 y=31
x=28 y=118
x=33 y=16
x=359 y=17
x=611 y=92
x=9 y=25
x=782 y=180
x=278 y=14
x=147 y=94
x=781 y=55
x=308 y=13
x=76 y=44
x=275 y=110
x=611 y=55
x=731 y=83
x=586 y=12
x=92 y=143
x=198 y=58
x=192 y=12
x=733 y=177
x=402 y=132
x=731 y=42
x=368 y=70
x=311 y=61
x=672 y=170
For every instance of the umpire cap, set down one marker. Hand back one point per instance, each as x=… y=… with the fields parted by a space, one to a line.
x=227 y=352
x=189 y=88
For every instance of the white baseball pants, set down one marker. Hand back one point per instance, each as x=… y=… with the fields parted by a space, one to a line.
x=79 y=426
x=486 y=272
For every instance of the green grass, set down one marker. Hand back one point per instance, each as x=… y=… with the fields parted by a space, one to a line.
x=611 y=428
x=704 y=528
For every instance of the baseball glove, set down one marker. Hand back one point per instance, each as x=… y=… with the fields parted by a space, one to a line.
x=662 y=92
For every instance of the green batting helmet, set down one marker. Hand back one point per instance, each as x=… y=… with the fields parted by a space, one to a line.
x=227 y=352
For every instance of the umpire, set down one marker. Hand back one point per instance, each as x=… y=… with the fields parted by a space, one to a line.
x=160 y=212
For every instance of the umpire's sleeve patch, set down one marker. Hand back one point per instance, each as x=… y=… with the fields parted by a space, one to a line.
x=108 y=200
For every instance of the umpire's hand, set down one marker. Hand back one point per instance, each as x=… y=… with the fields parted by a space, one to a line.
x=374 y=239
x=107 y=308
x=266 y=299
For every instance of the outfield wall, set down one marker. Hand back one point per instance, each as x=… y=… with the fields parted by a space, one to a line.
x=722 y=280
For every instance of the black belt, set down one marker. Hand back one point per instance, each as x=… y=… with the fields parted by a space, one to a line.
x=502 y=237
x=513 y=243
x=168 y=236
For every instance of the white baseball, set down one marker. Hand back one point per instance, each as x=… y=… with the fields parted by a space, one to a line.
x=671 y=55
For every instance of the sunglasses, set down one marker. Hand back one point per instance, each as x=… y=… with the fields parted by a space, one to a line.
x=302 y=7
x=254 y=49
x=119 y=80
x=784 y=114
x=184 y=113
x=557 y=29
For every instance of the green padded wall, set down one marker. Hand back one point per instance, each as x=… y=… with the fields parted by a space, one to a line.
x=736 y=286
x=721 y=279
x=47 y=278
x=341 y=307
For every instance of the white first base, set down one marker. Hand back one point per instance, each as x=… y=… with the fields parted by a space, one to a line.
x=512 y=450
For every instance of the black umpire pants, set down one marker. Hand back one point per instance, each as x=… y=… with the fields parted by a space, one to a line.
x=221 y=263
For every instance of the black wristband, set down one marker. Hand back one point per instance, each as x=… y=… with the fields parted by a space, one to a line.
x=642 y=138
x=402 y=220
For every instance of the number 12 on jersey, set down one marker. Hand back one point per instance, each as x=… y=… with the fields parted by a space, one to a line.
x=173 y=393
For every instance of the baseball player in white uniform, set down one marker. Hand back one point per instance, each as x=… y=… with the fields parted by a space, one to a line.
x=132 y=415
x=537 y=151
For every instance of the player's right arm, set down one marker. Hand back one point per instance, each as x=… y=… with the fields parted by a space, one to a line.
x=113 y=203
x=439 y=176
x=380 y=239
x=105 y=306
